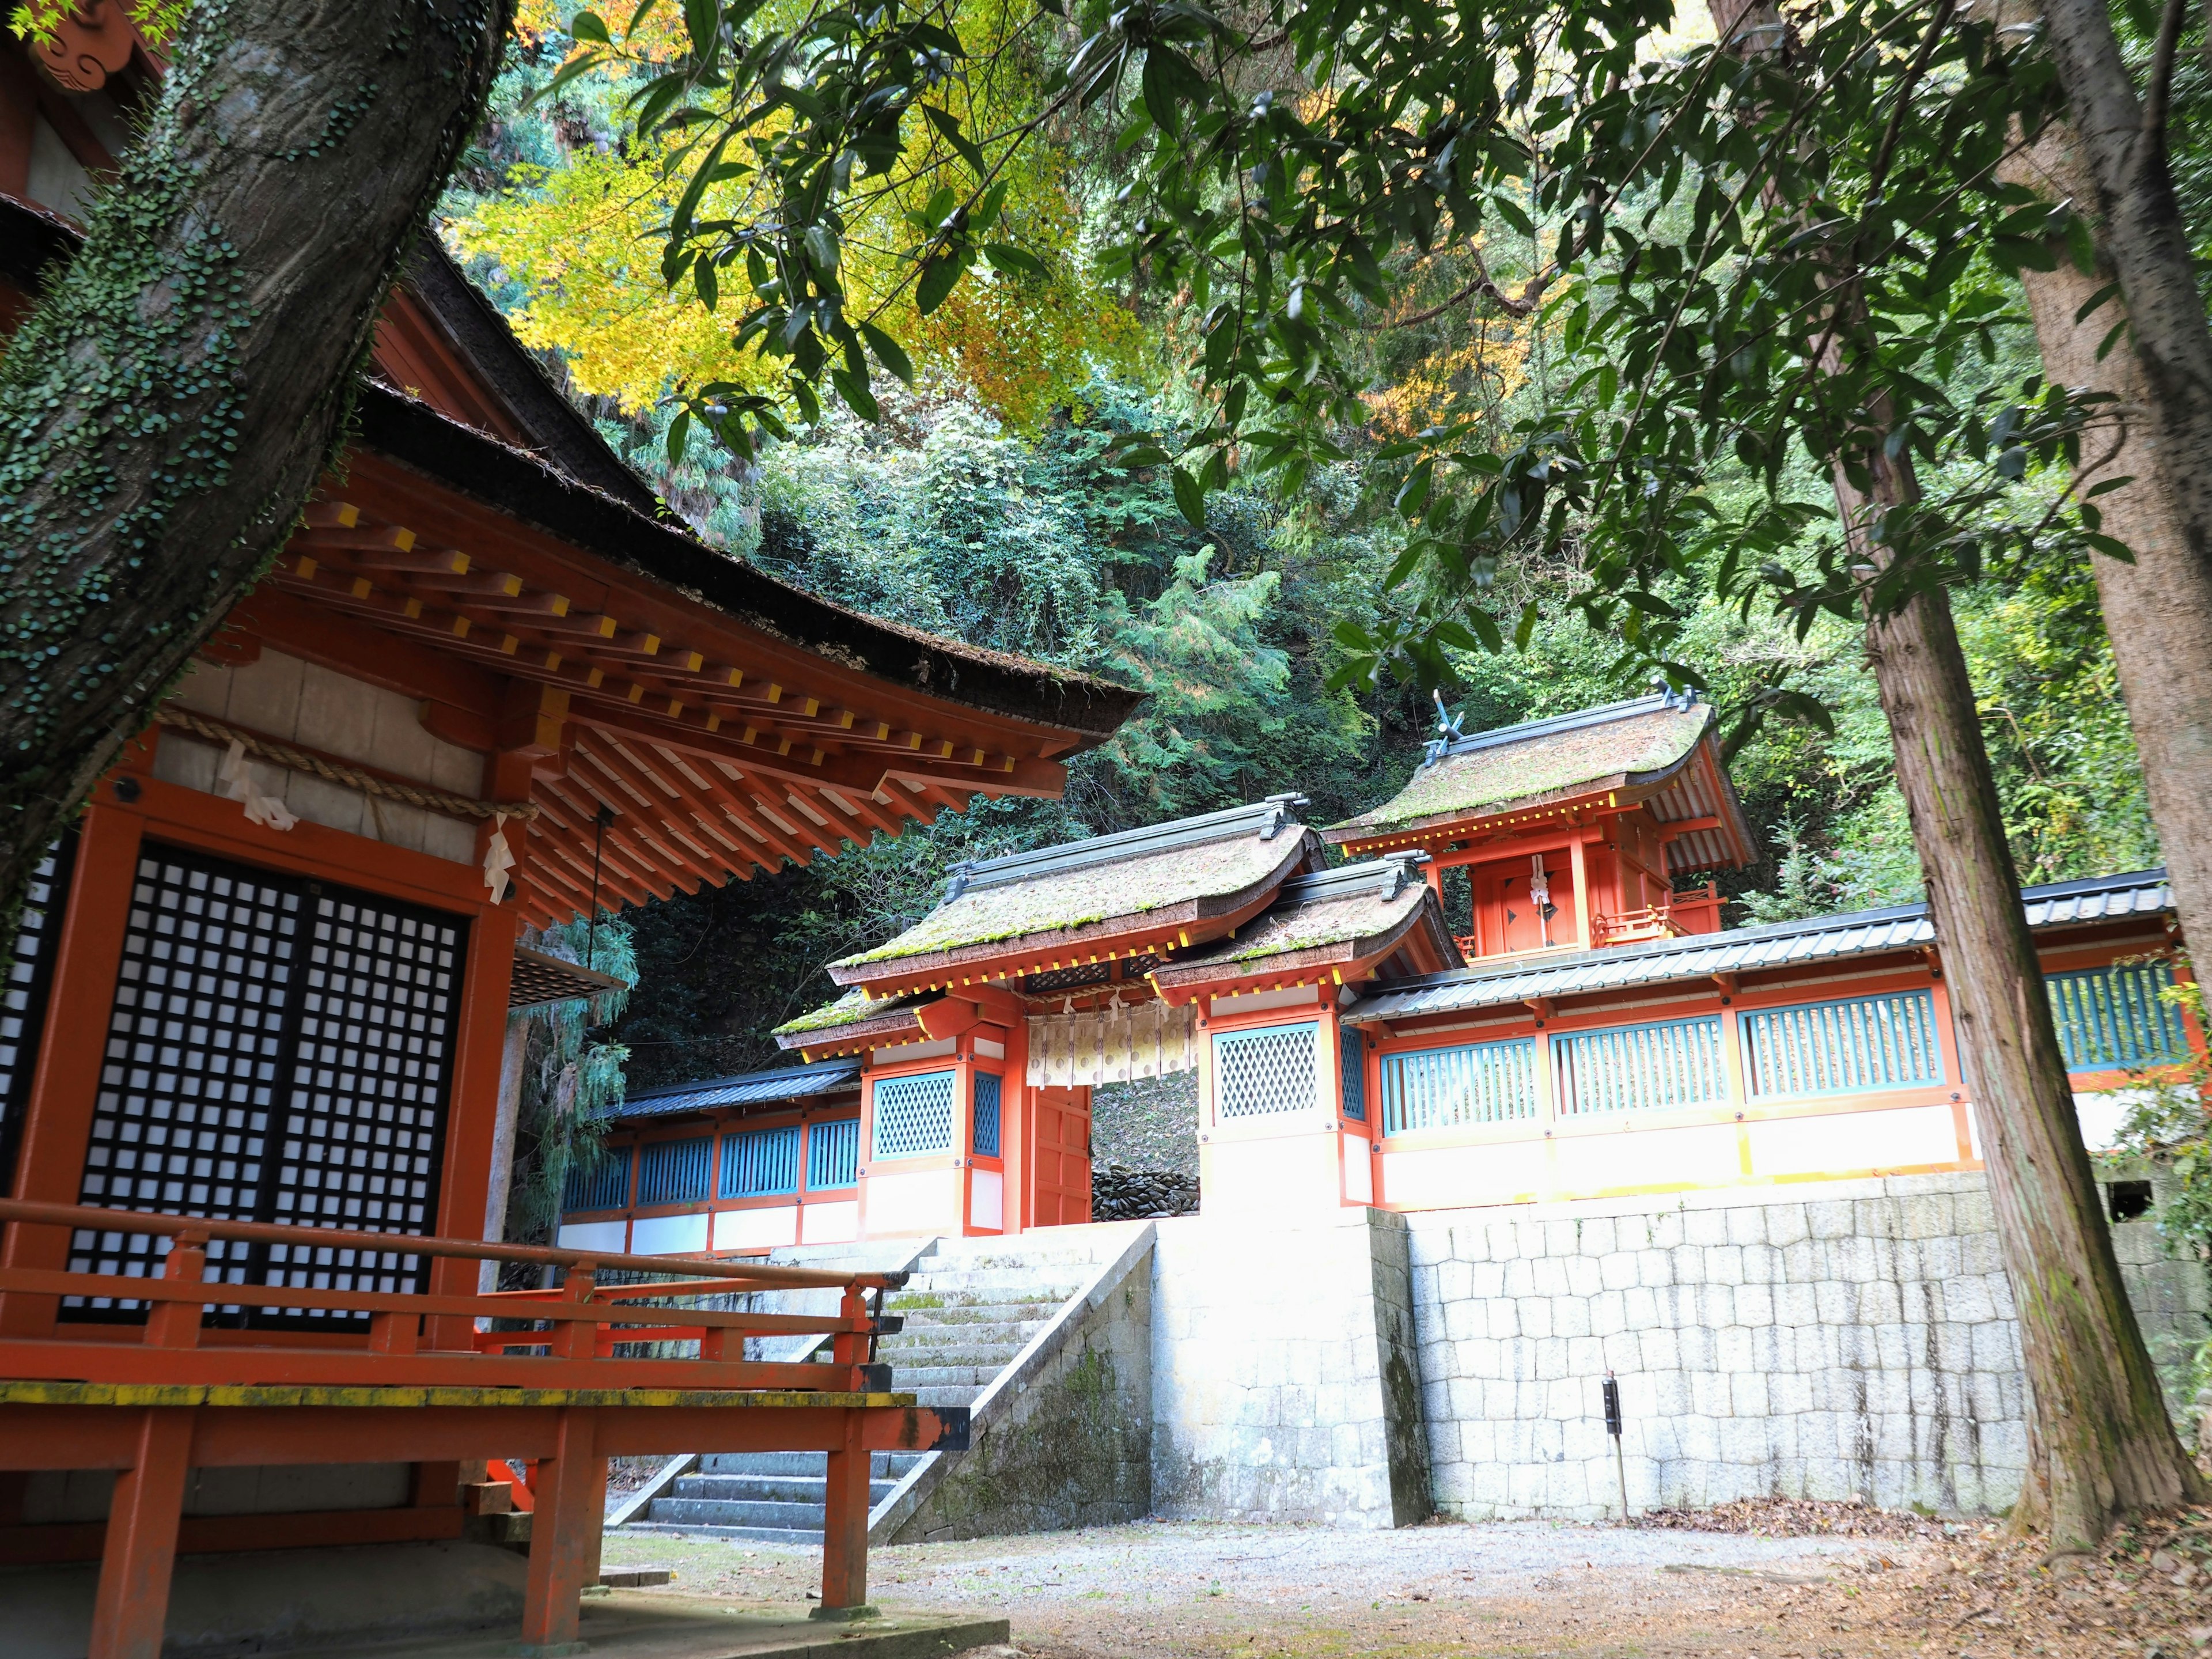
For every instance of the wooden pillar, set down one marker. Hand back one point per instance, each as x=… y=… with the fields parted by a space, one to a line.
x=473 y=1119
x=58 y=1116
x=132 y=1601
x=845 y=1529
x=564 y=1536
x=1578 y=861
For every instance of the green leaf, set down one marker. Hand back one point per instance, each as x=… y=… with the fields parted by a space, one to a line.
x=679 y=434
x=1004 y=256
x=948 y=125
x=888 y=352
x=938 y=278
x=1190 y=496
x=589 y=26
x=854 y=391
x=702 y=23
x=582 y=63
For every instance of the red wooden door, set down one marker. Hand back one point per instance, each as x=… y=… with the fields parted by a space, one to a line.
x=1060 y=1164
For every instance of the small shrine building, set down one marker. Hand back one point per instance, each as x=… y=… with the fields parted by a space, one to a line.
x=1585 y=1029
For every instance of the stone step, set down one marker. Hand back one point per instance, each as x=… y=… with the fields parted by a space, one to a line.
x=913 y=1379
x=767 y=1489
x=909 y=1364
x=717 y=1512
x=973 y=1311
x=999 y=1278
x=885 y=1466
x=936 y=1394
x=1009 y=1334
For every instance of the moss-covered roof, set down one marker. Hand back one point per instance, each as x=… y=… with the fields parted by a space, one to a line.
x=854 y=1008
x=1352 y=911
x=1252 y=853
x=1496 y=772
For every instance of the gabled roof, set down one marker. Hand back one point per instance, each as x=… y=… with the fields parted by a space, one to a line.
x=1192 y=873
x=776 y=1087
x=1746 y=950
x=1355 y=913
x=1646 y=748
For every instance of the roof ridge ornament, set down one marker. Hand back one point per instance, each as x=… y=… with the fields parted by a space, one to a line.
x=1264 y=819
x=1450 y=731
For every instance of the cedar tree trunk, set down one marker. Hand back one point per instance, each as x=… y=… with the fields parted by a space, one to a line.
x=166 y=408
x=2099 y=1442
x=2158 y=610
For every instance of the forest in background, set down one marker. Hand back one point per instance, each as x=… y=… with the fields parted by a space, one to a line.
x=991 y=503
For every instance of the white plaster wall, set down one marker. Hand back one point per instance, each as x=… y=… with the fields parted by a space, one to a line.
x=317 y=707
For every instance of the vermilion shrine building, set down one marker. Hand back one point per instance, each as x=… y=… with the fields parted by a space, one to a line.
x=1592 y=1033
x=256 y=1033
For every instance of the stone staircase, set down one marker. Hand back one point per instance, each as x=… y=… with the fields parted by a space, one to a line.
x=971 y=1305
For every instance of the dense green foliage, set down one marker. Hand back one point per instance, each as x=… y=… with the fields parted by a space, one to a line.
x=1064 y=544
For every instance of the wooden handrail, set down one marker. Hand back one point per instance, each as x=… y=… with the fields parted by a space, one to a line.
x=733 y=1275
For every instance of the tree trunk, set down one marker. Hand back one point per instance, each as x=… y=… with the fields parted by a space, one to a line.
x=2158 y=610
x=2099 y=1442
x=166 y=408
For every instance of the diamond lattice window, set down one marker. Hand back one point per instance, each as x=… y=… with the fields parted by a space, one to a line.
x=1264 y=1072
x=914 y=1115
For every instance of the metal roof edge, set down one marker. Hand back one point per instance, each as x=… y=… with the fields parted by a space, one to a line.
x=1552 y=724
x=1473 y=978
x=767 y=1074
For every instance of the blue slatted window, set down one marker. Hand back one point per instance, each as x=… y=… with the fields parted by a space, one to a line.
x=1640 y=1068
x=833 y=1155
x=1843 y=1047
x=2108 y=1018
x=1351 y=1057
x=985 y=1142
x=1452 y=1088
x=675 y=1171
x=760 y=1163
x=603 y=1186
x=913 y=1114
x=1263 y=1073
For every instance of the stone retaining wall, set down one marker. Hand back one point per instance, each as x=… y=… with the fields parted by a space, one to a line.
x=1853 y=1338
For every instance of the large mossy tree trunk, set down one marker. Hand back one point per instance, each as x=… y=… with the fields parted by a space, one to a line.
x=2158 y=610
x=2101 y=1446
x=166 y=408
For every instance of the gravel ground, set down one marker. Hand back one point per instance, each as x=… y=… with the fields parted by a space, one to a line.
x=1165 y=1590
x=1150 y=1124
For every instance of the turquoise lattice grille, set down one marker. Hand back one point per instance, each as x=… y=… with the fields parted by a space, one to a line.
x=675 y=1171
x=2109 y=1018
x=1839 y=1048
x=605 y=1186
x=1352 y=1058
x=1640 y=1068
x=833 y=1155
x=913 y=1114
x=1451 y=1088
x=985 y=1141
x=761 y=1163
x=1261 y=1073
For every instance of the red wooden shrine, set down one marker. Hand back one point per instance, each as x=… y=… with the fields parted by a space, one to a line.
x=258 y=1017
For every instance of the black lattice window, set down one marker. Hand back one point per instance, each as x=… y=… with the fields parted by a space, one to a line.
x=279 y=1051
x=1263 y=1073
x=29 y=970
x=1353 y=1060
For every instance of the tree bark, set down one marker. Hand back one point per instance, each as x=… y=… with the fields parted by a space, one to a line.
x=166 y=408
x=2158 y=610
x=2100 y=1445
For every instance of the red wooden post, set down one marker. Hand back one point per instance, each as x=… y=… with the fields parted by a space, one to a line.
x=58 y=1116
x=177 y=1324
x=845 y=1528
x=132 y=1601
x=564 y=1537
x=480 y=1037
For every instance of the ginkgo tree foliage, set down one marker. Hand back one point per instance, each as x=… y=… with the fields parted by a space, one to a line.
x=1030 y=326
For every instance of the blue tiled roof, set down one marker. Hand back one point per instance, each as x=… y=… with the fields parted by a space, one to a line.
x=1743 y=950
x=784 y=1083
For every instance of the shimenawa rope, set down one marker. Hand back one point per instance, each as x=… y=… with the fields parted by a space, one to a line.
x=296 y=759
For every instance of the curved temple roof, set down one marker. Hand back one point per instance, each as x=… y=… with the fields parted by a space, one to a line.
x=1646 y=747
x=1353 y=913
x=1170 y=872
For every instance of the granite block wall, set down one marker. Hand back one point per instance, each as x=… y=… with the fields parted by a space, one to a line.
x=1285 y=1384
x=1853 y=1338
